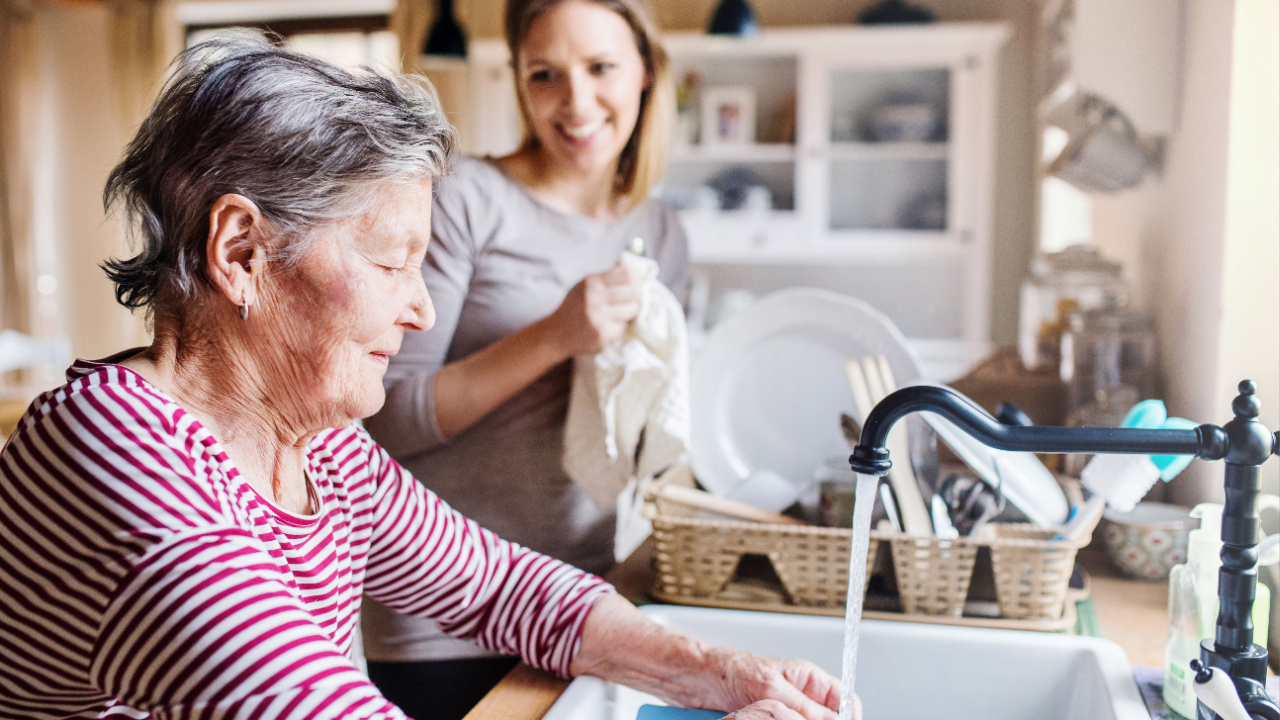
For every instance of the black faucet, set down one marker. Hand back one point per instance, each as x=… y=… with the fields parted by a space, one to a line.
x=1244 y=443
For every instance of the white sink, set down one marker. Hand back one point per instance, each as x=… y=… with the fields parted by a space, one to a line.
x=908 y=670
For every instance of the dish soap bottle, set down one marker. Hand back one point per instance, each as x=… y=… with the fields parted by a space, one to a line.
x=1193 y=606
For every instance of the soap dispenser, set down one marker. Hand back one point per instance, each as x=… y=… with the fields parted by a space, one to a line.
x=1193 y=603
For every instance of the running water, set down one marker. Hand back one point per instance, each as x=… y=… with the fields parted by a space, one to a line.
x=864 y=500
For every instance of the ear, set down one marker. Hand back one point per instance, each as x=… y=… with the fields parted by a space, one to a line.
x=236 y=234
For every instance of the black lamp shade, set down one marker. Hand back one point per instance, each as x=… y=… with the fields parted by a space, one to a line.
x=446 y=37
x=734 y=17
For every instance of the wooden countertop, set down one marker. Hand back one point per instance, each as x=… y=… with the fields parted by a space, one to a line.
x=1132 y=613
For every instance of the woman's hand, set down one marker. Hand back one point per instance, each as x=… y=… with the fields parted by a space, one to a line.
x=622 y=645
x=798 y=685
x=596 y=311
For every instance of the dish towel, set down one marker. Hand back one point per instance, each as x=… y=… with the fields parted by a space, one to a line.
x=636 y=387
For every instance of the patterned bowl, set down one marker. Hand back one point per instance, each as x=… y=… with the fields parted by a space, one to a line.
x=1149 y=540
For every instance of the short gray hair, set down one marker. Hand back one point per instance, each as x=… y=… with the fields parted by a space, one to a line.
x=304 y=140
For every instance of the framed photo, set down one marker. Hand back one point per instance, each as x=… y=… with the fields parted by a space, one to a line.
x=728 y=115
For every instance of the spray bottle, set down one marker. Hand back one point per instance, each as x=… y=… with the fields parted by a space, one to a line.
x=1193 y=601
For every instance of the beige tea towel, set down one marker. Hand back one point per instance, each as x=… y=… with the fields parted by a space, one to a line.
x=637 y=386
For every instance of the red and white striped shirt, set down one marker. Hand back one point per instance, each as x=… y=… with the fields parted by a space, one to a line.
x=140 y=576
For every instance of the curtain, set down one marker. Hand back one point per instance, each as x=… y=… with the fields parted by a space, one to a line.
x=19 y=102
x=410 y=21
x=145 y=37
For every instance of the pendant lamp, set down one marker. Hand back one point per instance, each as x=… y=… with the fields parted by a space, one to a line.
x=446 y=37
x=734 y=17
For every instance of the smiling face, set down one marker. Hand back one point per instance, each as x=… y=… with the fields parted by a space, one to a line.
x=580 y=77
x=336 y=316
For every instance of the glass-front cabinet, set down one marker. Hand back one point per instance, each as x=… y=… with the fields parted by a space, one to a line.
x=867 y=151
x=874 y=148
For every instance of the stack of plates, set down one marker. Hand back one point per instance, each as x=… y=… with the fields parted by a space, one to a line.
x=769 y=387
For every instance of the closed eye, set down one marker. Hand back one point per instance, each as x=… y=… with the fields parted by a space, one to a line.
x=601 y=68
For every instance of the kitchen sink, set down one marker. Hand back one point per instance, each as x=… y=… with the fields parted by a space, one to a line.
x=908 y=670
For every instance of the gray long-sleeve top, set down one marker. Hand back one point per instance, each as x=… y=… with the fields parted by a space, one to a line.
x=499 y=259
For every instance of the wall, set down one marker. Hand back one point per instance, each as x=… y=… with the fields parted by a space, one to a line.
x=1202 y=239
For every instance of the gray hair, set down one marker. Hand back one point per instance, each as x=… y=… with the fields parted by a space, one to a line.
x=308 y=142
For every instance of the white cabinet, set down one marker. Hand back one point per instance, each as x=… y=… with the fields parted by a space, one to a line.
x=876 y=145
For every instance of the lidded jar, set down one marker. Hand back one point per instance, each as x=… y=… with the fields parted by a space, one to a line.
x=1074 y=280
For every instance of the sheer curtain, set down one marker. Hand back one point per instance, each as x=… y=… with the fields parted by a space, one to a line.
x=19 y=76
x=145 y=36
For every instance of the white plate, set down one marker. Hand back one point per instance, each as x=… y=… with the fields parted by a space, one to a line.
x=1023 y=479
x=768 y=388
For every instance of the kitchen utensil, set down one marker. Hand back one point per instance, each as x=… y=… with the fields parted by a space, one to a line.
x=1019 y=476
x=890 y=503
x=850 y=428
x=1084 y=518
x=970 y=502
x=942 y=526
x=868 y=379
x=1010 y=414
x=723 y=506
x=768 y=382
x=1107 y=154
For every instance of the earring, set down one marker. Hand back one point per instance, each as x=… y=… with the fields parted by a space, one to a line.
x=244 y=308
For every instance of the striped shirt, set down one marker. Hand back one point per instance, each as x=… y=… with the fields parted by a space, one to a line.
x=140 y=576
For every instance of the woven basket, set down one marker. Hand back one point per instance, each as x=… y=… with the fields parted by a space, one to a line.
x=697 y=557
x=933 y=574
x=1031 y=570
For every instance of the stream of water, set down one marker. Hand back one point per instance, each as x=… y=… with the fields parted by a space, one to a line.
x=864 y=500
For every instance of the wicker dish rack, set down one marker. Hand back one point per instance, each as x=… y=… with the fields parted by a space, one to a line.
x=699 y=556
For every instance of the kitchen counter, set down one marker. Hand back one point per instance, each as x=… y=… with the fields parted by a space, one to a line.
x=1132 y=613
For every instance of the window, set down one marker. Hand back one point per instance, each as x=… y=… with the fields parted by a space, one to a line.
x=347 y=34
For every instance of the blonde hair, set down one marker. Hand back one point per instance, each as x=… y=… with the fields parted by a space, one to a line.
x=644 y=157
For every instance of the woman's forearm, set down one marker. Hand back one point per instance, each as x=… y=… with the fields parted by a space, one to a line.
x=468 y=389
x=621 y=645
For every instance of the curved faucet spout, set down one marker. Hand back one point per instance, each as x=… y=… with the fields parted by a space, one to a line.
x=870 y=457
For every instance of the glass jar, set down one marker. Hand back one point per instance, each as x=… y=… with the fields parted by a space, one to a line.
x=1074 y=280
x=1108 y=359
x=837 y=486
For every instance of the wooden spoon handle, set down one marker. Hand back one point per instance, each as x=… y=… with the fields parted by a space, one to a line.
x=724 y=506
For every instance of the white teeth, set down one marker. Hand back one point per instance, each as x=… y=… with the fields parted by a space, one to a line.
x=581 y=132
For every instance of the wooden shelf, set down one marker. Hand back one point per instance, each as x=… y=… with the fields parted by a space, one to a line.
x=889 y=151
x=737 y=154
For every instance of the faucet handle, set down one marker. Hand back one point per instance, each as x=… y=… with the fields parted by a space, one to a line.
x=1214 y=688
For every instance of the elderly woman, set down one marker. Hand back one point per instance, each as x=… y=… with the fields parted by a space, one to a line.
x=186 y=529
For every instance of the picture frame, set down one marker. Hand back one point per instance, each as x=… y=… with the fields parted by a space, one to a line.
x=728 y=115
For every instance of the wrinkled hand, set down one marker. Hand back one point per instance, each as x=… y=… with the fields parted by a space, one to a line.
x=765 y=710
x=596 y=311
x=798 y=687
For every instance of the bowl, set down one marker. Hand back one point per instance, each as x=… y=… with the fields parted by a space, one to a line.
x=903 y=122
x=1148 y=541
